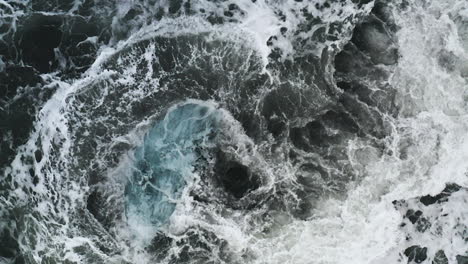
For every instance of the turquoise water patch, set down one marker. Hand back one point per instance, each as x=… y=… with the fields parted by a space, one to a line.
x=164 y=163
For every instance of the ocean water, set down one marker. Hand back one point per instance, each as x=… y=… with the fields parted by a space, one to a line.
x=241 y=131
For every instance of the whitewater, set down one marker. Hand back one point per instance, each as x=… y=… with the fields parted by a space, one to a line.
x=242 y=131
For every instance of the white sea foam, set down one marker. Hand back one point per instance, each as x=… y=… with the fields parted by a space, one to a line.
x=364 y=227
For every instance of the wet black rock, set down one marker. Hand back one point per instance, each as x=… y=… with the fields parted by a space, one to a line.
x=271 y=40
x=441 y=197
x=283 y=30
x=413 y=216
x=423 y=224
x=38 y=155
x=416 y=254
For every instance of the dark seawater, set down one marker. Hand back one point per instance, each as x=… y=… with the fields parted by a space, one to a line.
x=241 y=131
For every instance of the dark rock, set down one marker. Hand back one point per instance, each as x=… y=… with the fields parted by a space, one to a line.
x=281 y=15
x=413 y=216
x=35 y=180
x=440 y=258
x=416 y=253
x=441 y=197
x=283 y=30
x=271 y=40
x=422 y=224
x=38 y=155
x=233 y=7
x=215 y=20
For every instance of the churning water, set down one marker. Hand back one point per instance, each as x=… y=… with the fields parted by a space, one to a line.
x=240 y=131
